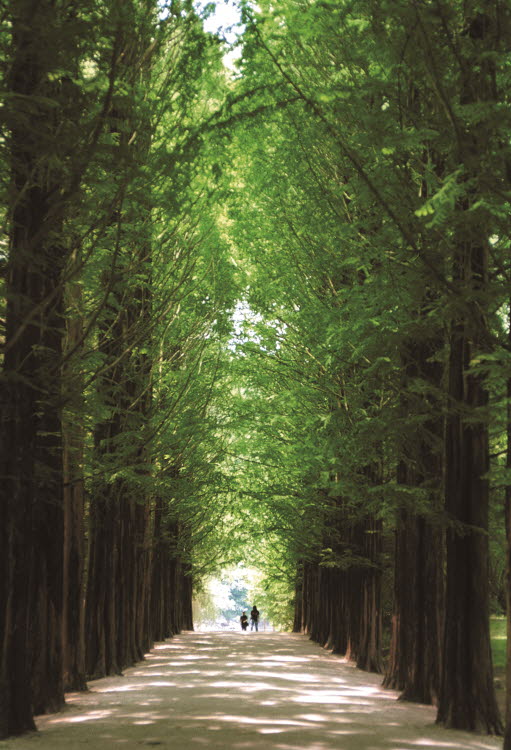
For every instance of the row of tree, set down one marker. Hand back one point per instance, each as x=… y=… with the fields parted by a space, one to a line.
x=373 y=226
x=349 y=188
x=114 y=291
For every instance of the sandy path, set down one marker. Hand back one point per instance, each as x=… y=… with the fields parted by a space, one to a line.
x=251 y=691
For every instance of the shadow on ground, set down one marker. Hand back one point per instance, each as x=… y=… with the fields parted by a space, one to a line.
x=250 y=691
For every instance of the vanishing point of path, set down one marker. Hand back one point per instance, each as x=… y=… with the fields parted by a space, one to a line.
x=243 y=691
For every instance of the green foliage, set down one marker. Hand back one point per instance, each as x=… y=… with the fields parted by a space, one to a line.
x=255 y=255
x=303 y=218
x=354 y=196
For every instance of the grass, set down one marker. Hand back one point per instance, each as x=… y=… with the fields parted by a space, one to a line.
x=498 y=641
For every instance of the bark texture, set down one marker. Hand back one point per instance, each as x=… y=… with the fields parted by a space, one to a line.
x=467 y=696
x=31 y=450
x=340 y=603
x=414 y=665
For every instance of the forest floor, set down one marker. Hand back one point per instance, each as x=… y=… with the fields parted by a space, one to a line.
x=243 y=691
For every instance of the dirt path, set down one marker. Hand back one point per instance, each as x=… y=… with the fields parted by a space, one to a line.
x=251 y=691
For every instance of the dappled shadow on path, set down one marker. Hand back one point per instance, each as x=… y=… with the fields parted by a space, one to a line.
x=246 y=692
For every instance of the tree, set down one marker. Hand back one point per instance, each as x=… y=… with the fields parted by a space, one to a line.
x=46 y=165
x=347 y=92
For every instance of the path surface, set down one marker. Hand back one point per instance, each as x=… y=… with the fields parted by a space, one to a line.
x=243 y=691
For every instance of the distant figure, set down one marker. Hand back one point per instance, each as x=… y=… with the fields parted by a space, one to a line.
x=254 y=618
x=244 y=621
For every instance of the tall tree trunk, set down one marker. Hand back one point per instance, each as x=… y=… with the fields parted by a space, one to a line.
x=417 y=624
x=507 y=735
x=187 y=595
x=416 y=644
x=467 y=696
x=145 y=530
x=370 y=656
x=338 y=640
x=31 y=449
x=99 y=586
x=73 y=643
x=124 y=386
x=362 y=600
x=298 y=601
x=157 y=602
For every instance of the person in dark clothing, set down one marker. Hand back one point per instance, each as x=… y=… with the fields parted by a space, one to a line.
x=254 y=618
x=244 y=621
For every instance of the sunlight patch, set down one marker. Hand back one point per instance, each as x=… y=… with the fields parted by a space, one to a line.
x=313 y=717
x=330 y=697
x=271 y=730
x=430 y=743
x=295 y=659
x=254 y=721
x=118 y=689
x=289 y=676
x=91 y=716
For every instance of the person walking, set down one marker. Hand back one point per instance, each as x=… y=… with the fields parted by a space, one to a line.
x=244 y=621
x=254 y=618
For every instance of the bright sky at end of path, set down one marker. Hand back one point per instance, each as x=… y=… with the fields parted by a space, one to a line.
x=244 y=691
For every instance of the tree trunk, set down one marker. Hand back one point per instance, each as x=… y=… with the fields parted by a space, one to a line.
x=73 y=643
x=415 y=653
x=298 y=601
x=369 y=656
x=507 y=735
x=338 y=634
x=187 y=589
x=32 y=502
x=157 y=602
x=102 y=600
x=417 y=624
x=467 y=696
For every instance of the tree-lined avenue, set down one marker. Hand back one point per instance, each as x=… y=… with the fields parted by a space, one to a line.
x=259 y=315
